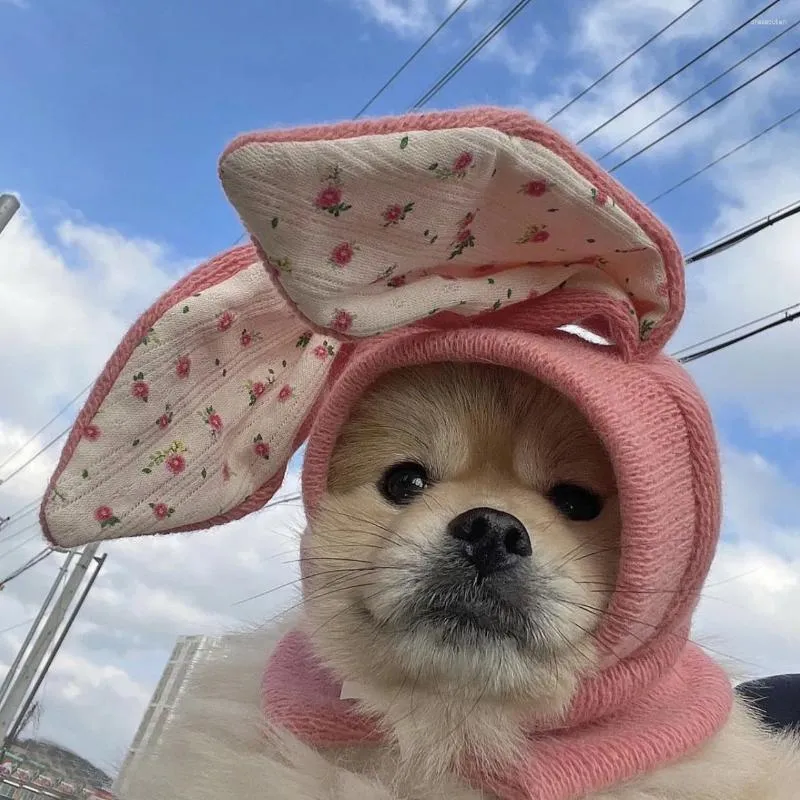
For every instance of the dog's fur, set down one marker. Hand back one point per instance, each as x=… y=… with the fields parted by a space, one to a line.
x=462 y=679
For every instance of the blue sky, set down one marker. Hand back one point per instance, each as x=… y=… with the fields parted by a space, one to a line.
x=115 y=114
x=121 y=109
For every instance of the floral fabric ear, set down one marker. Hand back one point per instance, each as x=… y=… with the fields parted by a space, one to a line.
x=358 y=230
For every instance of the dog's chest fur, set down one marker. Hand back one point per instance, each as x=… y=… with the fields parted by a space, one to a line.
x=215 y=745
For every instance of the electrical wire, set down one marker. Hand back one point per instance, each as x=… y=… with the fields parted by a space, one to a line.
x=737 y=329
x=444 y=23
x=18 y=625
x=704 y=110
x=740 y=235
x=678 y=72
x=487 y=37
x=724 y=156
x=736 y=340
x=30 y=564
x=54 y=440
x=20 y=512
x=705 y=86
x=46 y=425
x=20 y=545
x=624 y=61
x=15 y=534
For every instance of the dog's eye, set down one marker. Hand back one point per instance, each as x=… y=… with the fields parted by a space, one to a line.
x=403 y=482
x=575 y=502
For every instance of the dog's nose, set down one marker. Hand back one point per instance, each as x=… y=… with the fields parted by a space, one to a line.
x=492 y=540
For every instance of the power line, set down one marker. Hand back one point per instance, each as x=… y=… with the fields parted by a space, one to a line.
x=14 y=535
x=30 y=564
x=446 y=21
x=46 y=425
x=677 y=72
x=21 y=544
x=704 y=110
x=724 y=156
x=14 y=627
x=8 y=537
x=737 y=329
x=19 y=513
x=740 y=235
x=36 y=455
x=736 y=340
x=700 y=90
x=624 y=61
x=472 y=52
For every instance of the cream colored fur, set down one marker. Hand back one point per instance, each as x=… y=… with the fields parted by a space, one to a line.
x=214 y=748
x=488 y=437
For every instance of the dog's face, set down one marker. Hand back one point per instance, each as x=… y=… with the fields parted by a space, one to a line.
x=469 y=536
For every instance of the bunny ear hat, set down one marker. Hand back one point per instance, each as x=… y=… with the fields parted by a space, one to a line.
x=462 y=236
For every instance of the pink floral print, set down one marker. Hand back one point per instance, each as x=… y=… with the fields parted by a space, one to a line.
x=140 y=387
x=285 y=393
x=176 y=463
x=323 y=351
x=105 y=516
x=396 y=281
x=224 y=320
x=394 y=214
x=464 y=237
x=161 y=510
x=304 y=339
x=166 y=418
x=246 y=337
x=183 y=367
x=534 y=234
x=458 y=169
x=342 y=254
x=257 y=388
x=341 y=321
x=260 y=447
x=331 y=197
x=212 y=419
x=91 y=432
x=535 y=188
x=172 y=459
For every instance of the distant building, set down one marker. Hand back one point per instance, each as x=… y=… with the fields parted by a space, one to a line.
x=186 y=653
x=34 y=769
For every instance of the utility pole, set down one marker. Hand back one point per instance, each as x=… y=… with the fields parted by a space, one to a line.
x=23 y=714
x=12 y=670
x=9 y=205
x=15 y=698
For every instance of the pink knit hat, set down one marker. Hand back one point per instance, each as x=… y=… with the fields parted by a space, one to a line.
x=467 y=236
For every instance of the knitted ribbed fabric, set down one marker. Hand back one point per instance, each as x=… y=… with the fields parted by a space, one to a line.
x=657 y=697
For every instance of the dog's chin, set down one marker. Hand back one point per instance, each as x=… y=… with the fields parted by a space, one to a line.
x=485 y=640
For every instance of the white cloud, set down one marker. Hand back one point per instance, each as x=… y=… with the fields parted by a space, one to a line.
x=403 y=17
x=745 y=613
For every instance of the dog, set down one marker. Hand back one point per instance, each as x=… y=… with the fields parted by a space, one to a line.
x=456 y=571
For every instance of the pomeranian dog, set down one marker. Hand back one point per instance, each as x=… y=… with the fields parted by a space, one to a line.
x=456 y=572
